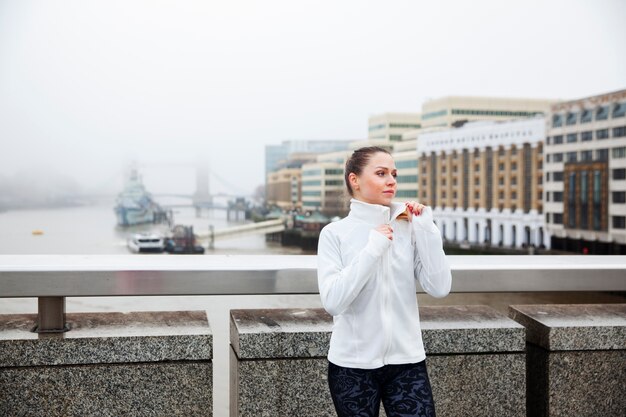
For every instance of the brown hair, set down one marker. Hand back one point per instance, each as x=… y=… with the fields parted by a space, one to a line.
x=358 y=160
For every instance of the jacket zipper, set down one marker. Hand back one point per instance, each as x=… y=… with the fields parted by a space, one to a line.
x=386 y=315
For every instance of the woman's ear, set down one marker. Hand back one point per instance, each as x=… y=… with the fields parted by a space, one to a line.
x=354 y=181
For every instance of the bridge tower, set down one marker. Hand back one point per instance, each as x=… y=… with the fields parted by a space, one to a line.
x=202 y=198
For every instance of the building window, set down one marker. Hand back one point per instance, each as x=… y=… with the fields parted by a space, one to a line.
x=557 y=120
x=557 y=176
x=557 y=196
x=501 y=195
x=619 y=222
x=500 y=151
x=501 y=181
x=572 y=157
x=476 y=195
x=477 y=181
x=619 y=132
x=586 y=136
x=586 y=156
x=514 y=195
x=602 y=134
x=602 y=154
x=476 y=168
x=513 y=166
x=586 y=116
x=557 y=157
x=619 y=153
x=513 y=150
x=602 y=113
x=406 y=179
x=443 y=181
x=557 y=140
x=501 y=167
x=513 y=180
x=584 y=203
x=333 y=182
x=619 y=109
x=619 y=174
x=571 y=118
x=597 y=193
x=412 y=163
x=571 y=200
x=572 y=137
x=334 y=172
x=557 y=218
x=618 y=197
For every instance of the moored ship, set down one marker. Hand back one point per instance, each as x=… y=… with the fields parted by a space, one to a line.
x=134 y=205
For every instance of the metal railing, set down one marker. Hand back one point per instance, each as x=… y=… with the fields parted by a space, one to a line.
x=52 y=278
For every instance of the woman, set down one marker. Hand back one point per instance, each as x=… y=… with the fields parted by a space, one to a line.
x=368 y=265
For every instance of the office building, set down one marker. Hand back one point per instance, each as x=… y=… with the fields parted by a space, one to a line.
x=484 y=182
x=391 y=126
x=453 y=111
x=585 y=174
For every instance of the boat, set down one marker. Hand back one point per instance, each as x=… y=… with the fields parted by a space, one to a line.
x=183 y=241
x=146 y=242
x=134 y=205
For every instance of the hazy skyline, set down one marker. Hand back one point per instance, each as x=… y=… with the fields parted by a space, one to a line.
x=86 y=87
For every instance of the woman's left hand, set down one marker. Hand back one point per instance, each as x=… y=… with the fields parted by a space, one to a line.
x=414 y=207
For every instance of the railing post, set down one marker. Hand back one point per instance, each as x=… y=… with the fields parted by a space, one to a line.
x=51 y=315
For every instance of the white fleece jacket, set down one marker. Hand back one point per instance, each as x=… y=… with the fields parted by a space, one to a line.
x=368 y=284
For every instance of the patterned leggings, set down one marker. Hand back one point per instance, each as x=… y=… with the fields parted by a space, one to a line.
x=404 y=390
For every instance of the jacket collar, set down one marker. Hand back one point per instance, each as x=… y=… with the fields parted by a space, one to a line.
x=375 y=213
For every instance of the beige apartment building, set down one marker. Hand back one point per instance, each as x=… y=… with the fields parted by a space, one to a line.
x=390 y=126
x=484 y=182
x=284 y=188
x=449 y=111
x=585 y=174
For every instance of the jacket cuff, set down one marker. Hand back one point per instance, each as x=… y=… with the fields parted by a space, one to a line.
x=425 y=221
x=377 y=243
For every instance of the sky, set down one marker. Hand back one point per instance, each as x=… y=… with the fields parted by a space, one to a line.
x=86 y=87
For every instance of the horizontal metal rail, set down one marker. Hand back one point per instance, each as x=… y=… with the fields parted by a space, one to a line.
x=163 y=275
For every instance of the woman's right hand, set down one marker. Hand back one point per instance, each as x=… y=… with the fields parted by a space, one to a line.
x=385 y=230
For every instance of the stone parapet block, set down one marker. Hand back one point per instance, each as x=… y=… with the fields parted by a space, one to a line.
x=132 y=364
x=573 y=326
x=576 y=359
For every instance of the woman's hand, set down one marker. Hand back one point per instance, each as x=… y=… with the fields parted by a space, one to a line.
x=414 y=207
x=385 y=230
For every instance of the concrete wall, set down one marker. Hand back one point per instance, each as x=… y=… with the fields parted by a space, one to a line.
x=133 y=364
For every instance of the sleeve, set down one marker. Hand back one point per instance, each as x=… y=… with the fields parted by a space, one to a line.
x=430 y=264
x=339 y=285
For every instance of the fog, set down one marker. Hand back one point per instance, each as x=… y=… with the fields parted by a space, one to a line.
x=88 y=87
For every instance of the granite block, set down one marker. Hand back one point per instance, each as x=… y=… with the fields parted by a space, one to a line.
x=148 y=389
x=478 y=385
x=281 y=387
x=576 y=362
x=107 y=338
x=280 y=333
x=573 y=326
x=300 y=333
x=469 y=329
x=576 y=383
x=108 y=364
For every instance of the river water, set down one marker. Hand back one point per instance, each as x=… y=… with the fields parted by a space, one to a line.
x=92 y=230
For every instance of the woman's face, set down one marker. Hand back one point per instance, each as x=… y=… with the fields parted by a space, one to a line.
x=377 y=182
